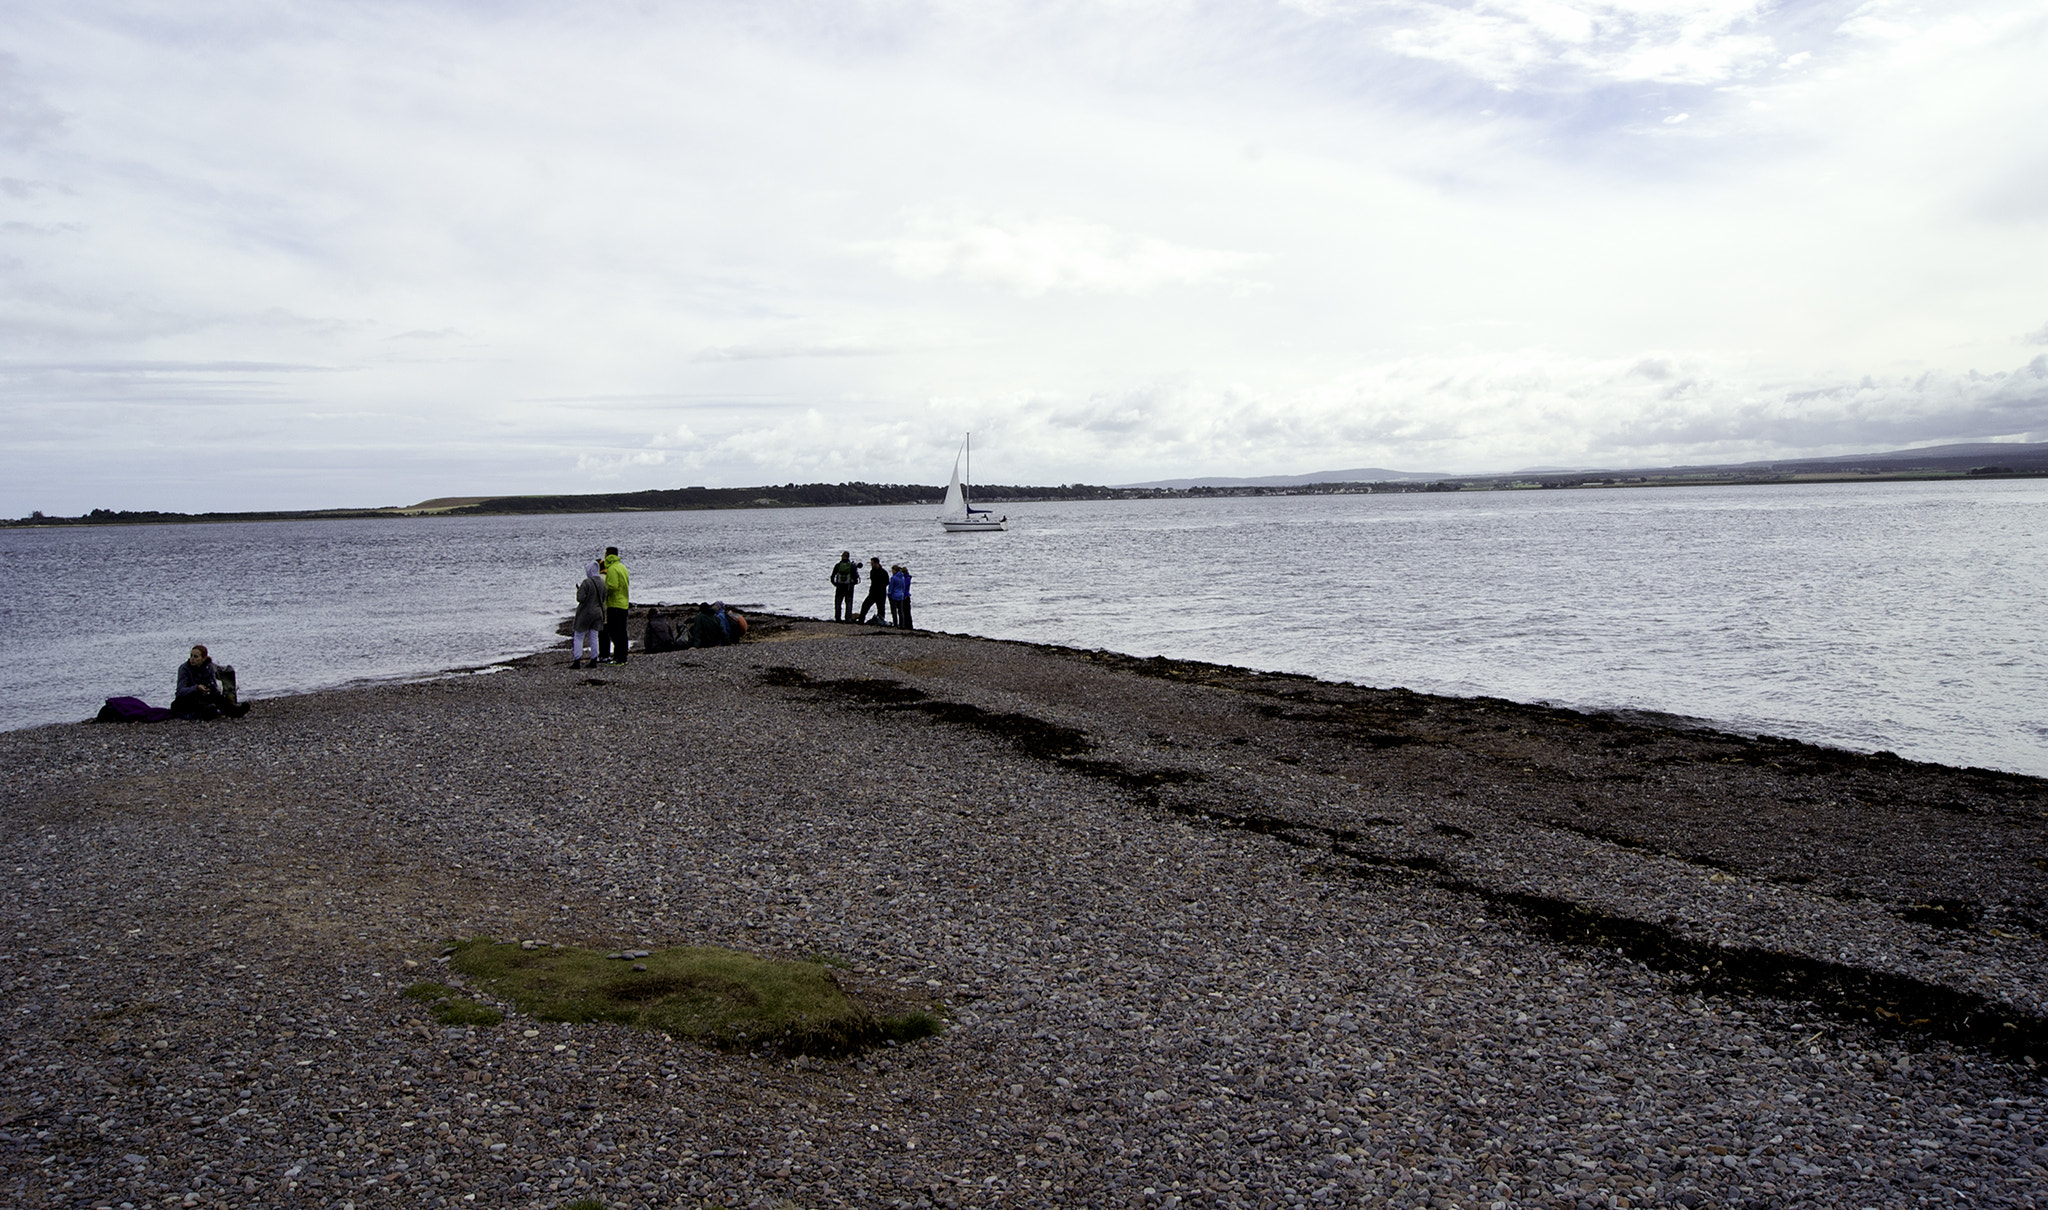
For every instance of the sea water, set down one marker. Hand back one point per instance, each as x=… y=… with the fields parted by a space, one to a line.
x=1901 y=616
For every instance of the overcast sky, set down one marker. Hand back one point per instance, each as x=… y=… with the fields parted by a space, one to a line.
x=305 y=255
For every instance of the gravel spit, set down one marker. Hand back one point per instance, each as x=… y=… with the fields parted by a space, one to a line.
x=1205 y=937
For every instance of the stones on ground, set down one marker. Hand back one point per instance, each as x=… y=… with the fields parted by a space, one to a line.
x=1145 y=1001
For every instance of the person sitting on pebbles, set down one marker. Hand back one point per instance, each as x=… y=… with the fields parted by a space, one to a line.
x=731 y=620
x=199 y=693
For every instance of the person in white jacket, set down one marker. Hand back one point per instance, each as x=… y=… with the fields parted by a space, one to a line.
x=589 y=617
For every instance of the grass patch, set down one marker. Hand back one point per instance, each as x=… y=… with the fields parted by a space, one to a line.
x=451 y=1007
x=730 y=1000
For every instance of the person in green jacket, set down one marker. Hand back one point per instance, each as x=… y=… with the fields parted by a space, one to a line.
x=611 y=643
x=845 y=574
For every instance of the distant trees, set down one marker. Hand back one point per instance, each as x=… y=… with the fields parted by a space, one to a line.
x=788 y=495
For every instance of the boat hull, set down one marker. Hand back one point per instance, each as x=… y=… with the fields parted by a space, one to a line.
x=975 y=527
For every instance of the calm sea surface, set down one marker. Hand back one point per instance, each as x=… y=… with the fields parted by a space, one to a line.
x=1903 y=616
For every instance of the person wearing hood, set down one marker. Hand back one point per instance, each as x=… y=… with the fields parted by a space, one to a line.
x=590 y=617
x=618 y=601
x=899 y=596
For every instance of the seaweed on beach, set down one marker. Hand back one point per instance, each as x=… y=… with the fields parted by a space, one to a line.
x=1034 y=737
x=1891 y=1003
x=1515 y=734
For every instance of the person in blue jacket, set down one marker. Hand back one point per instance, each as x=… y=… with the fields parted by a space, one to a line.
x=899 y=596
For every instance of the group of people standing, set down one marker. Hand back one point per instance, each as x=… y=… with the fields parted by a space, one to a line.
x=603 y=603
x=888 y=587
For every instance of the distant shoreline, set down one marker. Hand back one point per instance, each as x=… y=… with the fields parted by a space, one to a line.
x=853 y=495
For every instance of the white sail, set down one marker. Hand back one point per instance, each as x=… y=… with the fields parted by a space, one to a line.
x=955 y=508
x=957 y=515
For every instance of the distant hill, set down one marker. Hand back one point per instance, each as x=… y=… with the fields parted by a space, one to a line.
x=1984 y=457
x=1363 y=474
x=788 y=495
x=1977 y=457
x=1991 y=457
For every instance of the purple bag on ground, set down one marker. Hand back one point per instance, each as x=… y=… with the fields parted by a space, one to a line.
x=131 y=710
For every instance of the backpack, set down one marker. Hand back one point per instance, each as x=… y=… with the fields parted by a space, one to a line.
x=845 y=575
x=130 y=710
x=225 y=675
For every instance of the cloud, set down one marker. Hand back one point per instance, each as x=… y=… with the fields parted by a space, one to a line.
x=781 y=352
x=17 y=227
x=614 y=466
x=2019 y=194
x=26 y=117
x=1515 y=44
x=425 y=248
x=1034 y=257
x=1477 y=414
x=1495 y=413
x=19 y=189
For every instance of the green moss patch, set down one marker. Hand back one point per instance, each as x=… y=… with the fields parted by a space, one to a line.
x=730 y=1000
x=451 y=1007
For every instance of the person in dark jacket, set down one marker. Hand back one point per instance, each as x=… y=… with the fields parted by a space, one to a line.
x=878 y=591
x=663 y=632
x=199 y=694
x=845 y=574
x=705 y=629
x=590 y=617
x=899 y=595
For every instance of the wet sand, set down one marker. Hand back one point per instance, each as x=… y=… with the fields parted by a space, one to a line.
x=1205 y=937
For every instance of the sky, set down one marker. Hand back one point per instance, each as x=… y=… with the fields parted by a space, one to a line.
x=305 y=255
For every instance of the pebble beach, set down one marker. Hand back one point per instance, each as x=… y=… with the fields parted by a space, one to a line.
x=1201 y=937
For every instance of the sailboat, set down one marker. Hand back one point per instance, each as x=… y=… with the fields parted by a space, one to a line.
x=958 y=516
